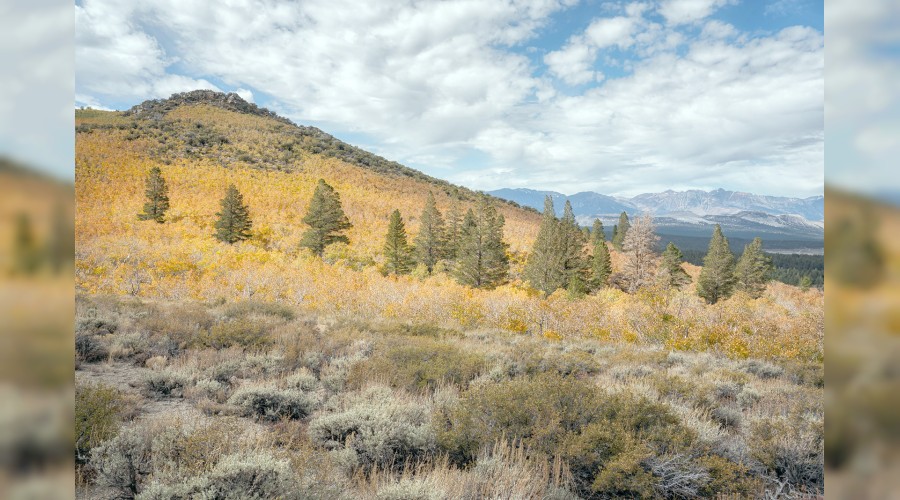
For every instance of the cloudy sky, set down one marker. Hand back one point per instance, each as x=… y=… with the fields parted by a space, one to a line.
x=616 y=97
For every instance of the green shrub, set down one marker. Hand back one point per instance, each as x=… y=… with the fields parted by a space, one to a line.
x=381 y=428
x=603 y=438
x=762 y=369
x=243 y=332
x=236 y=477
x=728 y=417
x=124 y=462
x=98 y=410
x=249 y=307
x=792 y=451
x=418 y=364
x=89 y=348
x=272 y=403
x=165 y=383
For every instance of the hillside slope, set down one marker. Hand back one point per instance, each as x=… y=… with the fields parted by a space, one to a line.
x=205 y=140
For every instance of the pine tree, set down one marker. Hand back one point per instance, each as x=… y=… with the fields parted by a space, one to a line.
x=621 y=231
x=640 y=257
x=544 y=268
x=397 y=252
x=453 y=227
x=481 y=261
x=716 y=281
x=431 y=242
x=674 y=275
x=572 y=243
x=157 y=197
x=753 y=269
x=601 y=265
x=615 y=233
x=234 y=220
x=326 y=220
x=805 y=282
x=597 y=233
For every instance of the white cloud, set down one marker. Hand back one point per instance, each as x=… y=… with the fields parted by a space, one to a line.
x=606 y=32
x=573 y=63
x=687 y=11
x=862 y=102
x=36 y=101
x=435 y=83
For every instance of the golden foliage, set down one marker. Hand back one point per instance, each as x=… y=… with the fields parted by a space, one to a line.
x=118 y=254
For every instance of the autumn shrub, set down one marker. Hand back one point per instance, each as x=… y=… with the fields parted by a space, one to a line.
x=382 y=427
x=98 y=411
x=242 y=332
x=272 y=403
x=416 y=363
x=250 y=307
x=175 y=325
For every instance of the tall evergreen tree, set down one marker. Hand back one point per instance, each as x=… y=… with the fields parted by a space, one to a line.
x=615 y=233
x=397 y=252
x=481 y=261
x=452 y=232
x=753 y=269
x=157 y=197
x=234 y=218
x=621 y=231
x=597 y=233
x=572 y=243
x=601 y=265
x=544 y=269
x=716 y=281
x=326 y=220
x=431 y=242
x=674 y=275
x=640 y=241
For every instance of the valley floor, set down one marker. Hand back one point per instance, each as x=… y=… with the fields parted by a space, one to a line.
x=232 y=400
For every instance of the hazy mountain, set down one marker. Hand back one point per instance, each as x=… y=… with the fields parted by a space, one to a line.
x=694 y=212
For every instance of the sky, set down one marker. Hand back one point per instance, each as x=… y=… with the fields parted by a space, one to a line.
x=616 y=97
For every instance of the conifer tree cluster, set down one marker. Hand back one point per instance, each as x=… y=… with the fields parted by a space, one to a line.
x=721 y=277
x=558 y=258
x=481 y=259
x=471 y=247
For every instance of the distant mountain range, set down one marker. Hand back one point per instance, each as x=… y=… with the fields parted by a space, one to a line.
x=692 y=213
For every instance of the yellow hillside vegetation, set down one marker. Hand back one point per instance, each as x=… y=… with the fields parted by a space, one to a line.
x=180 y=260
